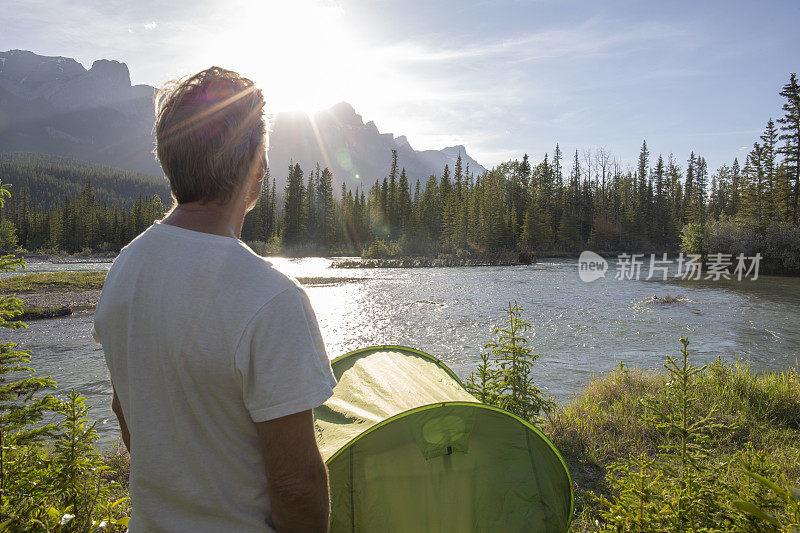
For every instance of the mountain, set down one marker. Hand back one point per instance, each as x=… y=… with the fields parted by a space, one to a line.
x=54 y=105
x=353 y=150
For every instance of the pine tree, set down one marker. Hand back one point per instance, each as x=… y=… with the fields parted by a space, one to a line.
x=293 y=207
x=661 y=215
x=768 y=152
x=642 y=169
x=689 y=213
x=736 y=187
x=392 y=212
x=445 y=186
x=403 y=202
x=790 y=128
x=326 y=209
x=702 y=184
x=458 y=177
x=504 y=376
x=557 y=165
x=24 y=402
x=753 y=197
x=568 y=234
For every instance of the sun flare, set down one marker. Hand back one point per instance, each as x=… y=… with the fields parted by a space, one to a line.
x=300 y=53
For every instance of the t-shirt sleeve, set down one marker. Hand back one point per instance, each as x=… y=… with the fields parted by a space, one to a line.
x=282 y=360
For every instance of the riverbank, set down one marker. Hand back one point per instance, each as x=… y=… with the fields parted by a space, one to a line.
x=104 y=257
x=353 y=260
x=613 y=435
x=56 y=294
x=438 y=261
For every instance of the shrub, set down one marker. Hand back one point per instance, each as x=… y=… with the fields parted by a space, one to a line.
x=778 y=243
x=685 y=450
x=503 y=378
x=50 y=474
x=381 y=250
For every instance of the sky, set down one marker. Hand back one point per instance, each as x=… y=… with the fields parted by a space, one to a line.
x=501 y=77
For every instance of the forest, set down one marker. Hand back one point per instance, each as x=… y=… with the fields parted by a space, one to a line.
x=561 y=204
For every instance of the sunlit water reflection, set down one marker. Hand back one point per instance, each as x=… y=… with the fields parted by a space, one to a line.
x=578 y=328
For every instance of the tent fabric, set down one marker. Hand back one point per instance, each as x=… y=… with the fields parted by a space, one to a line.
x=409 y=449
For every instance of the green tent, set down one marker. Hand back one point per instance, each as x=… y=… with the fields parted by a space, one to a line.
x=409 y=449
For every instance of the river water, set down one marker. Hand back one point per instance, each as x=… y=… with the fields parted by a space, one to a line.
x=579 y=328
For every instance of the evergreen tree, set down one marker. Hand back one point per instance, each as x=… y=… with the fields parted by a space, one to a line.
x=768 y=152
x=557 y=165
x=403 y=202
x=458 y=177
x=293 y=207
x=736 y=187
x=641 y=173
x=790 y=135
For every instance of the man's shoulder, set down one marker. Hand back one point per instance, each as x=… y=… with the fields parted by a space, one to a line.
x=256 y=276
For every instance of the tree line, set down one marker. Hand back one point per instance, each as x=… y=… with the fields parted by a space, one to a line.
x=542 y=206
x=562 y=203
x=45 y=180
x=76 y=224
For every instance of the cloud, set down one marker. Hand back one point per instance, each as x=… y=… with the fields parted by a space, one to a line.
x=151 y=25
x=535 y=80
x=591 y=38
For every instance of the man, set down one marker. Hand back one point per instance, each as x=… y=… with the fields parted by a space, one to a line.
x=215 y=358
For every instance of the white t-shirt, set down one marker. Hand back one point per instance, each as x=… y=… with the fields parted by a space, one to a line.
x=203 y=338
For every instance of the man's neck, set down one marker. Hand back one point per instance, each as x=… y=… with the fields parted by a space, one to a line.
x=225 y=220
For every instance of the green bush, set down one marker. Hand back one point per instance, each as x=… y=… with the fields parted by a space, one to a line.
x=694 y=240
x=684 y=450
x=381 y=250
x=51 y=477
x=503 y=378
x=778 y=243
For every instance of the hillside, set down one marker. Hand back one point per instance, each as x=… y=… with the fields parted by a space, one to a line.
x=53 y=105
x=47 y=180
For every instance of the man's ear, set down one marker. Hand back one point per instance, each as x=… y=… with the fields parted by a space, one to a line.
x=260 y=166
x=263 y=161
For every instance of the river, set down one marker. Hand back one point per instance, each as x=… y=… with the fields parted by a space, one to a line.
x=579 y=328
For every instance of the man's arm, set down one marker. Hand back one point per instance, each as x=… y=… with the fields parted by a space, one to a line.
x=117 y=408
x=296 y=475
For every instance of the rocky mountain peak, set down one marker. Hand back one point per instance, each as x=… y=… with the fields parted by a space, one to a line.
x=28 y=70
x=113 y=72
x=55 y=105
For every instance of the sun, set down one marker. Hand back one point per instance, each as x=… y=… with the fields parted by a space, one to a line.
x=300 y=53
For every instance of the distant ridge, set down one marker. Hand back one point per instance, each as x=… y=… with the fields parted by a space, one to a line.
x=47 y=179
x=352 y=149
x=54 y=105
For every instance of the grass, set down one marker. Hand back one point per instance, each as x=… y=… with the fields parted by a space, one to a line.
x=53 y=282
x=118 y=464
x=608 y=423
